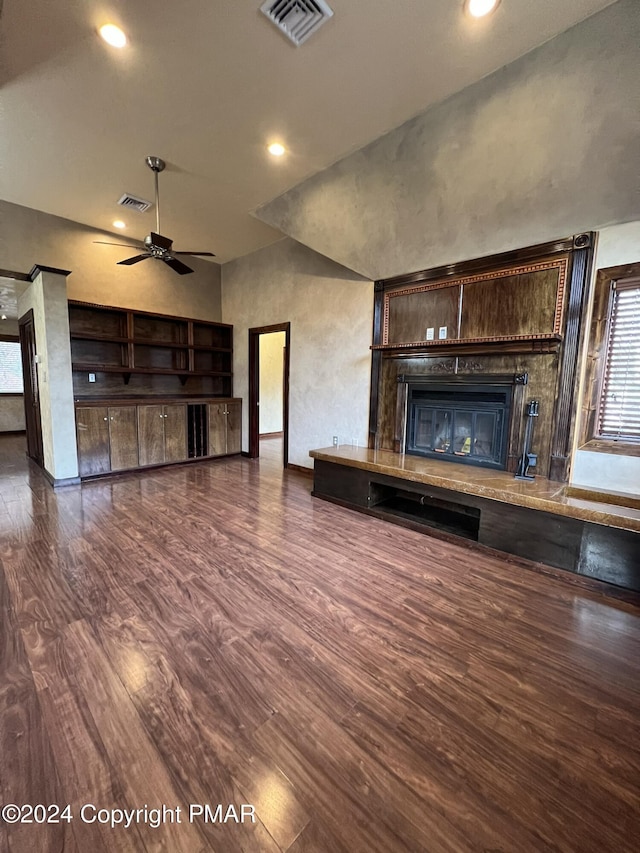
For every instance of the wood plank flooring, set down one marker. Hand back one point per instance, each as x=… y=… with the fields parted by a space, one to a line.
x=211 y=634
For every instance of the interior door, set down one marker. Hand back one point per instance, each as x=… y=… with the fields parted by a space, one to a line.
x=151 y=435
x=31 y=388
x=175 y=433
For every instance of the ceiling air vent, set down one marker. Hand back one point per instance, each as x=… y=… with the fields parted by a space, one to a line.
x=134 y=203
x=297 y=19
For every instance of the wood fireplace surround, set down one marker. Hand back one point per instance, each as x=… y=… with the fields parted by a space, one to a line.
x=515 y=315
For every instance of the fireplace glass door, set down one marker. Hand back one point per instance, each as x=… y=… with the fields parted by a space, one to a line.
x=469 y=428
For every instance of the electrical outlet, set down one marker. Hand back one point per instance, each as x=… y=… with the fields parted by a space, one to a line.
x=442 y=333
x=335 y=440
x=430 y=334
x=92 y=377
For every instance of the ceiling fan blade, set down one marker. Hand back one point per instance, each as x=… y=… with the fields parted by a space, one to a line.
x=136 y=259
x=202 y=254
x=160 y=241
x=123 y=245
x=178 y=266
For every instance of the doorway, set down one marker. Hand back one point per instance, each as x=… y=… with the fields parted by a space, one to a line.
x=31 y=388
x=260 y=340
x=17 y=424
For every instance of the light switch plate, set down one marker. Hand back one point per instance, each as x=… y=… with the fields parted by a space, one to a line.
x=442 y=333
x=92 y=377
x=430 y=334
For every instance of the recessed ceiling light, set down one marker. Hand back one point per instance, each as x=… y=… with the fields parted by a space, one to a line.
x=113 y=35
x=4 y=316
x=480 y=8
x=276 y=149
x=119 y=224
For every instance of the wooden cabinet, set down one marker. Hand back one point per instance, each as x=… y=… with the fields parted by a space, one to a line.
x=107 y=439
x=225 y=428
x=234 y=427
x=162 y=434
x=175 y=433
x=520 y=303
x=139 y=434
x=150 y=435
x=217 y=429
x=129 y=365
x=123 y=437
x=92 y=429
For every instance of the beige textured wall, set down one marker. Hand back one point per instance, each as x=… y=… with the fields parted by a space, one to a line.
x=29 y=237
x=331 y=313
x=47 y=297
x=271 y=373
x=11 y=413
x=545 y=147
x=9 y=327
x=617 y=245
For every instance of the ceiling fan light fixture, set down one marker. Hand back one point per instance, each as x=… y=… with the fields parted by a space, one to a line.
x=480 y=8
x=155 y=245
x=113 y=35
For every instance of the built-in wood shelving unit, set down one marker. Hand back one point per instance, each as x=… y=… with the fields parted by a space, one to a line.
x=108 y=340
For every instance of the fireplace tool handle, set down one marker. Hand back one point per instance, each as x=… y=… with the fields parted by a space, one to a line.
x=528 y=459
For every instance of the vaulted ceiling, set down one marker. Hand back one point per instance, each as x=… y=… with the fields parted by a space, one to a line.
x=206 y=84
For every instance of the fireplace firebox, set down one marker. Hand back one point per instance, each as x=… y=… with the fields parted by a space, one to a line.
x=459 y=422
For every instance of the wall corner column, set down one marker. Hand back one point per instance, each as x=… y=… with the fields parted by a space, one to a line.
x=47 y=297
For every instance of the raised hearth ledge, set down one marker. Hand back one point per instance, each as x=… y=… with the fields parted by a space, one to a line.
x=541 y=494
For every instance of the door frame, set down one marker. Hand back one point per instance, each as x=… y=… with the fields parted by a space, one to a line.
x=254 y=388
x=33 y=418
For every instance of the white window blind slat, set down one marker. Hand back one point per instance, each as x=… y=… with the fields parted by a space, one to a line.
x=619 y=414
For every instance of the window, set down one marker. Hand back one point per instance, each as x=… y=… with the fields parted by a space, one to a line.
x=10 y=368
x=619 y=412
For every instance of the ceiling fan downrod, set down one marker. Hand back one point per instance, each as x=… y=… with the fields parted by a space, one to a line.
x=157 y=165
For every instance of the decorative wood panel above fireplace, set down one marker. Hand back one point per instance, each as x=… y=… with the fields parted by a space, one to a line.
x=510 y=314
x=523 y=303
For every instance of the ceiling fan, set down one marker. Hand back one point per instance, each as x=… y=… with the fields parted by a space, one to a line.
x=156 y=246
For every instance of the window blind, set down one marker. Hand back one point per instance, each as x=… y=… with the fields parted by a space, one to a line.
x=10 y=368
x=619 y=416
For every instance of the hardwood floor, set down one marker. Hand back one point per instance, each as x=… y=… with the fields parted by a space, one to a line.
x=211 y=634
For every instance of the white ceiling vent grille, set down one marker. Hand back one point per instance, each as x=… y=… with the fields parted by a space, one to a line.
x=134 y=203
x=297 y=19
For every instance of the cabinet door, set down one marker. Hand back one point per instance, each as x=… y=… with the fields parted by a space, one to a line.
x=217 y=429
x=92 y=429
x=123 y=436
x=175 y=433
x=234 y=427
x=150 y=435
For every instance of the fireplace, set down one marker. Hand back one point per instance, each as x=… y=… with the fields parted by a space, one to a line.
x=460 y=421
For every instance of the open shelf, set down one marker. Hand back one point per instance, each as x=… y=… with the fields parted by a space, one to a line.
x=106 y=340
x=78 y=336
